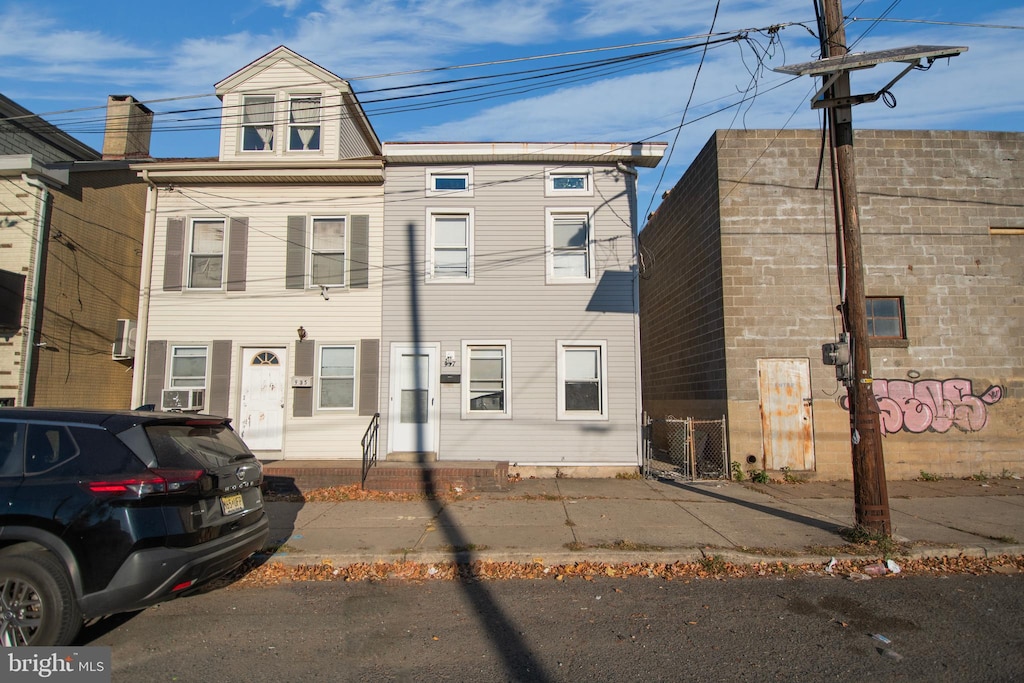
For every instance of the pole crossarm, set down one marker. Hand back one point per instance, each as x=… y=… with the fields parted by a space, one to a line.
x=831 y=68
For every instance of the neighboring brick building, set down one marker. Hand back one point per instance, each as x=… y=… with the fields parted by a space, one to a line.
x=740 y=289
x=70 y=253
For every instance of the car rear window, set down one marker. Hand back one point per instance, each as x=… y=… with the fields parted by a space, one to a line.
x=185 y=445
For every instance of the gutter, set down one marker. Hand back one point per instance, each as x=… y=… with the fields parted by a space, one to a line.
x=145 y=293
x=627 y=170
x=32 y=333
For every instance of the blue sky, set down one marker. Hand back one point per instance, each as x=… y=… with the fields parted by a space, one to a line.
x=61 y=55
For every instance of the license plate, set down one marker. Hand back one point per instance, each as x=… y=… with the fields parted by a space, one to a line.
x=232 y=504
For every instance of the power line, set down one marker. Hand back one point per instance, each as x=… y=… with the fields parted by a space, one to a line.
x=963 y=24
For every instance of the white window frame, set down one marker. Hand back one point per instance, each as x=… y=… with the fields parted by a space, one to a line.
x=311 y=252
x=273 y=124
x=175 y=381
x=430 y=274
x=550 y=174
x=467 y=347
x=549 y=221
x=584 y=344
x=320 y=377
x=319 y=125
x=433 y=174
x=191 y=254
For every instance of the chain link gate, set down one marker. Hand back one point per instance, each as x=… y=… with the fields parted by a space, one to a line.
x=685 y=448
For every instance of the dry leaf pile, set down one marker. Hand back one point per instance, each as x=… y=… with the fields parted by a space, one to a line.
x=273 y=573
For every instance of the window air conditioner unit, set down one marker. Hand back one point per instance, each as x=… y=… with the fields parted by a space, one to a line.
x=183 y=400
x=124 y=340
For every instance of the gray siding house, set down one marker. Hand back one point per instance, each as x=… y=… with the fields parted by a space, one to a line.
x=742 y=290
x=510 y=327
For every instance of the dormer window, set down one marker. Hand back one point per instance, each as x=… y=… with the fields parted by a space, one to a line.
x=258 y=123
x=304 y=123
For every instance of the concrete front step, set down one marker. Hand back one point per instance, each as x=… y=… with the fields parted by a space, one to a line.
x=298 y=476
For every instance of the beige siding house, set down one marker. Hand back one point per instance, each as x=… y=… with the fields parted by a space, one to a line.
x=261 y=295
x=510 y=327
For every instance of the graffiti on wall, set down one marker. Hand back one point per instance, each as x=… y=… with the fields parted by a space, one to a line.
x=931 y=405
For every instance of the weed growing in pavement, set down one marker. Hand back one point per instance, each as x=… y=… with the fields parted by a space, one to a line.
x=929 y=476
x=737 y=471
x=789 y=477
x=629 y=475
x=871 y=540
x=712 y=564
x=980 y=476
x=760 y=477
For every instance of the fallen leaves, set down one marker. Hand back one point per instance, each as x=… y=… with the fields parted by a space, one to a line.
x=255 y=573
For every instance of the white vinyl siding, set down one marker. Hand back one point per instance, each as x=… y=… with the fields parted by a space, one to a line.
x=450 y=246
x=206 y=254
x=570 y=256
x=511 y=300
x=487 y=382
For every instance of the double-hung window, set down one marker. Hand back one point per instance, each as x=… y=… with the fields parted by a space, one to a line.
x=337 y=378
x=206 y=254
x=450 y=245
x=188 y=366
x=486 y=386
x=304 y=123
x=258 y=123
x=582 y=384
x=327 y=252
x=569 y=238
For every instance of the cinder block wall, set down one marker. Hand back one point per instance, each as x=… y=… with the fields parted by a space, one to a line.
x=929 y=201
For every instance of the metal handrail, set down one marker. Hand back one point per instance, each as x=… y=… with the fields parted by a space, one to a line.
x=369 y=444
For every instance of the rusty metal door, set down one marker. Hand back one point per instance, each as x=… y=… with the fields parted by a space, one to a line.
x=787 y=425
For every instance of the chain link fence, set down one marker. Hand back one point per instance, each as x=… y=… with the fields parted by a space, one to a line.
x=687 y=448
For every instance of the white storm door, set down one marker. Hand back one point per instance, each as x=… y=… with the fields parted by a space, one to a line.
x=261 y=413
x=787 y=425
x=413 y=404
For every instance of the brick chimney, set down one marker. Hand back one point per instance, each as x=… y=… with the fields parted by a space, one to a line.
x=128 y=129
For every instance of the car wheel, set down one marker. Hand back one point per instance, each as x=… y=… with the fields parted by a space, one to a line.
x=37 y=604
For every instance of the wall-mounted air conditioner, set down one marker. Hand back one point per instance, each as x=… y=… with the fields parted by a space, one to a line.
x=124 y=340
x=184 y=400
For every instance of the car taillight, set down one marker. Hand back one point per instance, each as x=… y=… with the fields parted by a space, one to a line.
x=160 y=480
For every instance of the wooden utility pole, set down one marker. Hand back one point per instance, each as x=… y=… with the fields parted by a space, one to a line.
x=871 y=496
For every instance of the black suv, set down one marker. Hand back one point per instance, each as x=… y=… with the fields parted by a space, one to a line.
x=106 y=512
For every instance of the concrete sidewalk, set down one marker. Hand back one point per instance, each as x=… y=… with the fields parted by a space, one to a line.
x=558 y=521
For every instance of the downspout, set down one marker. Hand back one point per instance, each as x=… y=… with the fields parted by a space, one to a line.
x=145 y=288
x=32 y=333
x=631 y=191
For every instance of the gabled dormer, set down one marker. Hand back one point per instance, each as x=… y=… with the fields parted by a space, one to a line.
x=283 y=108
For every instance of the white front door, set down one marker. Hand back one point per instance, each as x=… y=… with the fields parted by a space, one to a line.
x=413 y=403
x=261 y=412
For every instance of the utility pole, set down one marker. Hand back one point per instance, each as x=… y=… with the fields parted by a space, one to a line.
x=870 y=493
